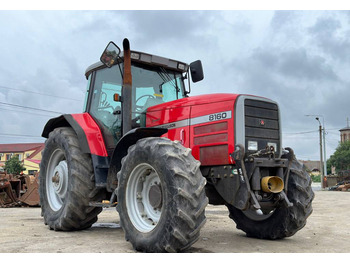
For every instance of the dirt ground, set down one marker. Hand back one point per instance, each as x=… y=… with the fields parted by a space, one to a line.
x=22 y=230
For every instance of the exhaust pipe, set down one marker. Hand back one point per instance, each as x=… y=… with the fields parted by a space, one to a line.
x=272 y=184
x=127 y=88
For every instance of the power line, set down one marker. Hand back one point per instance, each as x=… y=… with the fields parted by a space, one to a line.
x=308 y=132
x=17 y=135
x=32 y=108
x=38 y=93
x=27 y=112
x=300 y=133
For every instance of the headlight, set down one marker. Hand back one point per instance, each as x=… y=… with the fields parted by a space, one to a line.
x=274 y=146
x=252 y=145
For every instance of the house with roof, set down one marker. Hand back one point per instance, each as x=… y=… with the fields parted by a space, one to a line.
x=312 y=167
x=345 y=133
x=28 y=153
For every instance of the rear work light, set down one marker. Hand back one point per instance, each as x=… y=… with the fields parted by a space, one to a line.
x=135 y=56
x=181 y=66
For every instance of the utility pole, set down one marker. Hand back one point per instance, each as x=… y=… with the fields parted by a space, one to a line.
x=324 y=157
x=321 y=153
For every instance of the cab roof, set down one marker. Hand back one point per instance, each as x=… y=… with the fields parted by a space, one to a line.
x=144 y=58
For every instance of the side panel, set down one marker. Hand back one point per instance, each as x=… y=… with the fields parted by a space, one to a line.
x=212 y=139
x=92 y=132
x=176 y=120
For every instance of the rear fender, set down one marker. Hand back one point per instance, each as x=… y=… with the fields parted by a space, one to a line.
x=121 y=150
x=88 y=132
x=90 y=141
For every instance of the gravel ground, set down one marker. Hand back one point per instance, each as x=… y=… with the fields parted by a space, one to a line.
x=22 y=230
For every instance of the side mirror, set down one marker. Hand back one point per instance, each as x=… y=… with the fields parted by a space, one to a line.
x=110 y=56
x=196 y=71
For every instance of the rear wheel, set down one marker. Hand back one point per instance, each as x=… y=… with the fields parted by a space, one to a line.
x=67 y=183
x=281 y=222
x=161 y=198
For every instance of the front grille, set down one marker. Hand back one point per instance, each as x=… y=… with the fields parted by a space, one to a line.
x=261 y=123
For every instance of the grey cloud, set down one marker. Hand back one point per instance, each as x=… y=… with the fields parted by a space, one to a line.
x=325 y=26
x=283 y=18
x=295 y=64
x=325 y=33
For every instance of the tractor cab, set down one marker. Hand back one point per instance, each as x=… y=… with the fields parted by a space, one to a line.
x=155 y=80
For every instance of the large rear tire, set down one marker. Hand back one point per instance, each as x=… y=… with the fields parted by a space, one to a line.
x=283 y=221
x=67 y=183
x=161 y=197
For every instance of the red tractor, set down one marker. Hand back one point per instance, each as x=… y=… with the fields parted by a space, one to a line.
x=160 y=156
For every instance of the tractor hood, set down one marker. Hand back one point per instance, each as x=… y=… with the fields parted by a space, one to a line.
x=194 y=100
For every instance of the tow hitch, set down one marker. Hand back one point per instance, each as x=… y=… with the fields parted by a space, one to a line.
x=262 y=186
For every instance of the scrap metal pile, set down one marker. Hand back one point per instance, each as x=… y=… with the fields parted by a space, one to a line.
x=19 y=190
x=341 y=186
x=342 y=180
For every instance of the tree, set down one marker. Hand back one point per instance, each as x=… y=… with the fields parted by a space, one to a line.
x=341 y=157
x=14 y=166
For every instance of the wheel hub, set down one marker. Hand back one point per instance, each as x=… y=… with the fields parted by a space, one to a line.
x=155 y=196
x=60 y=179
x=56 y=178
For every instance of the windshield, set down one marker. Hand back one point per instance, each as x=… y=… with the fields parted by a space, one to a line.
x=153 y=86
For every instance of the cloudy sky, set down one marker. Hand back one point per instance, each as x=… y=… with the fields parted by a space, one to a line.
x=301 y=59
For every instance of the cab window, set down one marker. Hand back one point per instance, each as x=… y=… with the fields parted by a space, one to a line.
x=104 y=109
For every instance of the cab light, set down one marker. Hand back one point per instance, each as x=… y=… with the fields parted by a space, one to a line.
x=135 y=56
x=181 y=66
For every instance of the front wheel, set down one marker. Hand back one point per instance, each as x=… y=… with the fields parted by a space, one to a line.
x=161 y=198
x=281 y=222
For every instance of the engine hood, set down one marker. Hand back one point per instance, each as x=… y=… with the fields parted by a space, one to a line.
x=194 y=100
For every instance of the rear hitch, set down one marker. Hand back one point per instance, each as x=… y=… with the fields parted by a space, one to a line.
x=270 y=184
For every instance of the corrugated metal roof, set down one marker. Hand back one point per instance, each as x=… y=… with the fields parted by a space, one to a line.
x=345 y=128
x=16 y=148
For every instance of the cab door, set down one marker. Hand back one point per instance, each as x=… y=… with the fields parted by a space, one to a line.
x=106 y=112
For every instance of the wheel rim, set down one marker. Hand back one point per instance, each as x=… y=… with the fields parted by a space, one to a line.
x=57 y=180
x=144 y=198
x=257 y=215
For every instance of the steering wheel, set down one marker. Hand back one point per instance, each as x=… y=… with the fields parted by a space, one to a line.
x=139 y=108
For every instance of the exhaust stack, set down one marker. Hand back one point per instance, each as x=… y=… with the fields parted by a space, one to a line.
x=127 y=88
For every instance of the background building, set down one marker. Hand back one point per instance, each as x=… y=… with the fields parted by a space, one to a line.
x=345 y=133
x=29 y=154
x=312 y=167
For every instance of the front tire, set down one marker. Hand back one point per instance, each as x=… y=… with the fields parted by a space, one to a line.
x=67 y=183
x=161 y=197
x=283 y=221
